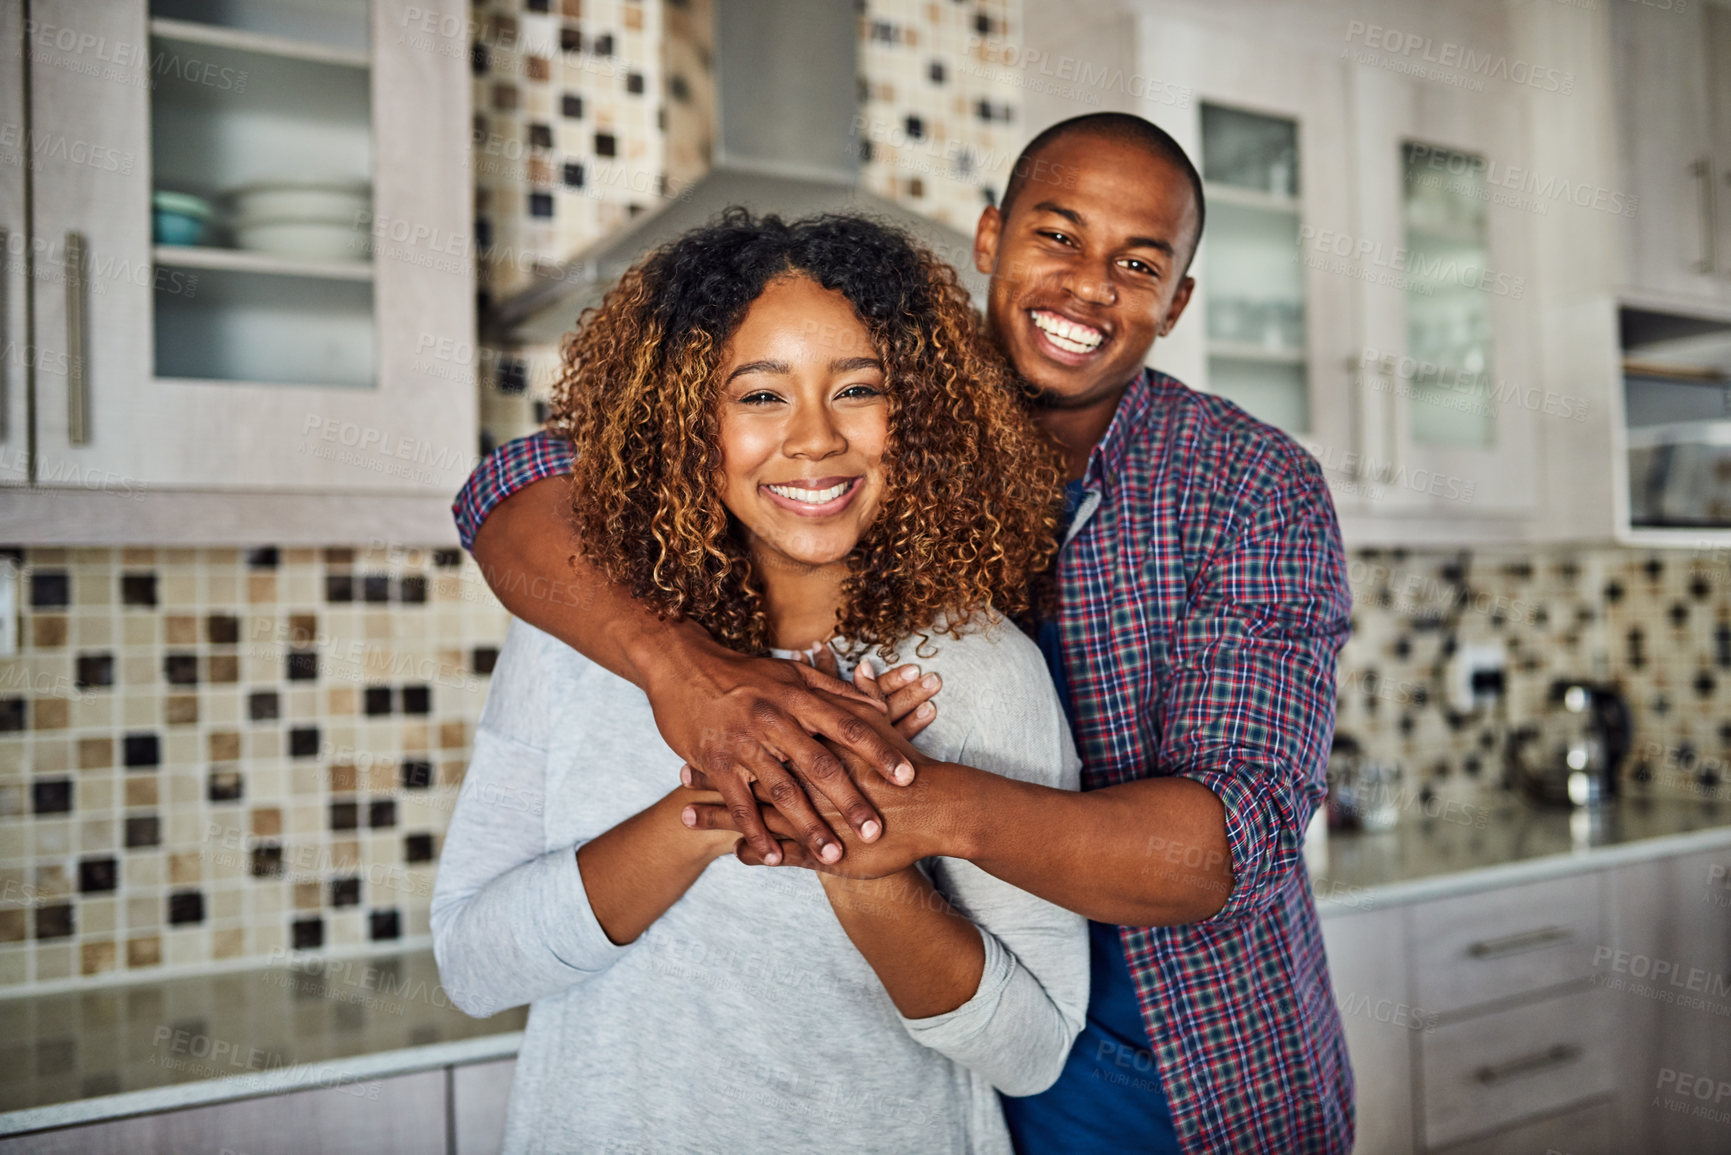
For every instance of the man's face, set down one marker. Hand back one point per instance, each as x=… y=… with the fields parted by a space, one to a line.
x=1086 y=268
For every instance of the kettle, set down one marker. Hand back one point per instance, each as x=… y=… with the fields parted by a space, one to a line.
x=1572 y=753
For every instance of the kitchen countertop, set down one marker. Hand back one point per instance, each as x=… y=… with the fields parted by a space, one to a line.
x=1459 y=848
x=82 y=1056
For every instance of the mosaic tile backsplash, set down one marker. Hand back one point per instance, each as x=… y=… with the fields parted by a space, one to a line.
x=219 y=754
x=212 y=755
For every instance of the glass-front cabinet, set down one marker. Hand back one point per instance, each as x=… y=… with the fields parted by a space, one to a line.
x=1448 y=379
x=253 y=257
x=1256 y=291
x=1270 y=324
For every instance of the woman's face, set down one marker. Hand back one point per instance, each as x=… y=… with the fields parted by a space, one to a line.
x=804 y=421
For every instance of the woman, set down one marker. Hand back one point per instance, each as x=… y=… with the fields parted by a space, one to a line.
x=793 y=435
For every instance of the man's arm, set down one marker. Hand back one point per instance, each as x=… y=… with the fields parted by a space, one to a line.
x=739 y=717
x=1245 y=709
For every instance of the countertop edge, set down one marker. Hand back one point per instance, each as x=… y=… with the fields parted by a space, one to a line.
x=1358 y=900
x=259 y=1084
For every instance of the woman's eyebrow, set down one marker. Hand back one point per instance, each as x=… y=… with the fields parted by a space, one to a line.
x=759 y=367
x=849 y=364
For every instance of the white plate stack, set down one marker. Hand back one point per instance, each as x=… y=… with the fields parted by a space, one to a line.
x=313 y=220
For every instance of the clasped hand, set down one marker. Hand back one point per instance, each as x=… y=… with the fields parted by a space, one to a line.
x=908 y=831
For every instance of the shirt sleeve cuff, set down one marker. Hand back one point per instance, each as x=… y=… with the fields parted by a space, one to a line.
x=953 y=1029
x=572 y=932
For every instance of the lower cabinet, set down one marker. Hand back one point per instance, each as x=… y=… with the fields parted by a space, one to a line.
x=1578 y=1015
x=447 y=1109
x=404 y=1115
x=478 y=1096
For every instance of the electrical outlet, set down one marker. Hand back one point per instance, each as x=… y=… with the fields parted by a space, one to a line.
x=1468 y=671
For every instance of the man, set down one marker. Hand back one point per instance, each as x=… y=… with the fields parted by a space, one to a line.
x=1202 y=602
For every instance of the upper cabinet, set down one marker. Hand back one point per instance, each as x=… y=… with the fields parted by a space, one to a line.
x=1673 y=70
x=250 y=271
x=1360 y=284
x=1445 y=279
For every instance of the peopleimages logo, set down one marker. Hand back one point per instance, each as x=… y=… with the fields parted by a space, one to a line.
x=1418 y=271
x=1458 y=58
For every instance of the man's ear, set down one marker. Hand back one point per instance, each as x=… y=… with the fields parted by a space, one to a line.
x=986 y=234
x=1179 y=299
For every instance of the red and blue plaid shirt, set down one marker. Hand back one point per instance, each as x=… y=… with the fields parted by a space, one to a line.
x=1203 y=600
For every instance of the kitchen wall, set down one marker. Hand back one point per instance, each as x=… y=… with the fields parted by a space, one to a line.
x=216 y=756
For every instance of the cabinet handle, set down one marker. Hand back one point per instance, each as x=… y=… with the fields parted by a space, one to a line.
x=1703 y=172
x=77 y=379
x=1549 y=1059
x=5 y=316
x=1519 y=943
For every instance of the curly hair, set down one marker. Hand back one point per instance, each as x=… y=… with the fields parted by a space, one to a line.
x=969 y=513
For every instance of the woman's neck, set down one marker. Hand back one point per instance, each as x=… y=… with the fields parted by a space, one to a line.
x=800 y=601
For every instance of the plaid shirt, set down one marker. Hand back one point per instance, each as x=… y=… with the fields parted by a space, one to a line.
x=1203 y=601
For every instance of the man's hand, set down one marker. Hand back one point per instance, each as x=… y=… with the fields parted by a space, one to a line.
x=918 y=823
x=749 y=721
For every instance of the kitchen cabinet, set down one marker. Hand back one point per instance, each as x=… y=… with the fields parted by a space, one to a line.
x=1667 y=968
x=1361 y=284
x=15 y=346
x=1267 y=329
x=1367 y=964
x=1673 y=70
x=479 y=1093
x=1582 y=1013
x=1443 y=282
x=404 y=1114
x=178 y=383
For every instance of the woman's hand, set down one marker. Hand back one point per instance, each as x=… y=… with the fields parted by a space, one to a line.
x=907 y=697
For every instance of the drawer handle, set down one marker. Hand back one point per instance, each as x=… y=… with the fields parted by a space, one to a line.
x=1560 y=1055
x=1520 y=943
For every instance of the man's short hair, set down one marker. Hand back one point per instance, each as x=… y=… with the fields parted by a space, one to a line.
x=1120 y=128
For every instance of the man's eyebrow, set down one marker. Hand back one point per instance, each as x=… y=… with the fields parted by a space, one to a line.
x=1070 y=215
x=759 y=367
x=1075 y=218
x=849 y=364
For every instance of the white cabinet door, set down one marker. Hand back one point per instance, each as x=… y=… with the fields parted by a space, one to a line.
x=1665 y=117
x=398 y=1116
x=1443 y=270
x=170 y=379
x=1270 y=327
x=479 y=1094
x=1666 y=971
x=1367 y=963
x=16 y=349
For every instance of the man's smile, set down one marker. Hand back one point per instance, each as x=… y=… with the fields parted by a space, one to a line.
x=1067 y=339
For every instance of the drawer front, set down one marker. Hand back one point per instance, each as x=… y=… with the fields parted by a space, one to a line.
x=1498 y=943
x=1590 y=1130
x=1484 y=1073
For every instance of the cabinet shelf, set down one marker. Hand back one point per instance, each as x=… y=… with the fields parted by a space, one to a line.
x=1262 y=354
x=243 y=261
x=1245 y=198
x=212 y=35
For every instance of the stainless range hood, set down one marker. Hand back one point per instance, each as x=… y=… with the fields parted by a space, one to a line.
x=788 y=142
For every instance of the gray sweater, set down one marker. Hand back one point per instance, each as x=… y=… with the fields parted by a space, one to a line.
x=743 y=1018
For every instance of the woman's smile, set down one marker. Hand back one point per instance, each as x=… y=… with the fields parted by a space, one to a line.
x=823 y=497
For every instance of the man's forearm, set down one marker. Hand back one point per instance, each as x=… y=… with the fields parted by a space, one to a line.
x=535 y=575
x=1146 y=853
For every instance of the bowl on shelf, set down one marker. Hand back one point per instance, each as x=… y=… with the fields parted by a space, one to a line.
x=178 y=218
